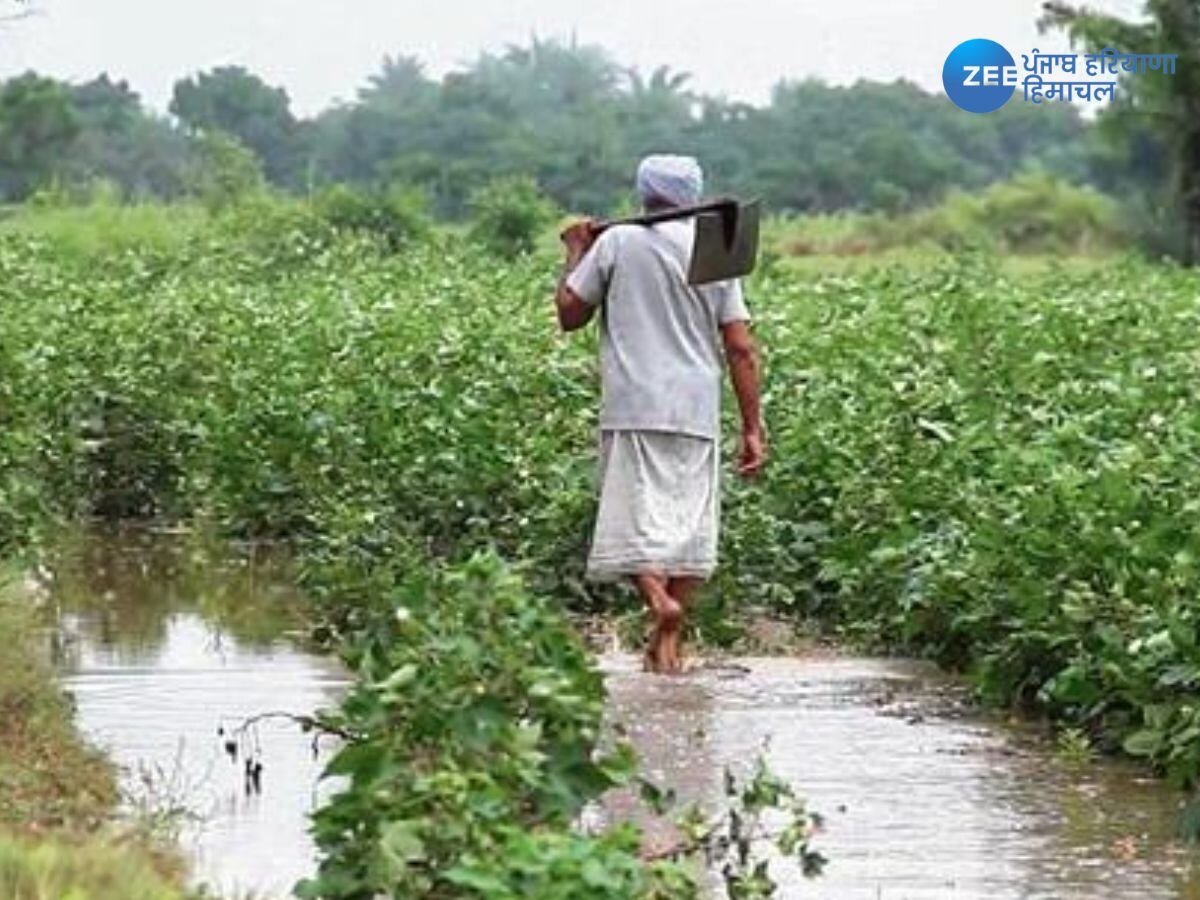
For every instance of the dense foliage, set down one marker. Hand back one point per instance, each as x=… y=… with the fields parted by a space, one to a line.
x=996 y=471
x=475 y=721
x=568 y=116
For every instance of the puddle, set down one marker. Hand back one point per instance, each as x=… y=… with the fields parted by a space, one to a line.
x=920 y=803
x=161 y=642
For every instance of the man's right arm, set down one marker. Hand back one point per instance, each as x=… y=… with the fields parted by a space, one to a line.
x=741 y=356
x=573 y=311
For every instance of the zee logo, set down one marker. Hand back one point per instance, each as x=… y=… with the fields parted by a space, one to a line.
x=992 y=76
x=979 y=75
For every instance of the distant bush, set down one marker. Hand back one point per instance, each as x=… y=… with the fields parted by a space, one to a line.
x=52 y=195
x=1033 y=213
x=224 y=172
x=509 y=214
x=395 y=214
x=1160 y=228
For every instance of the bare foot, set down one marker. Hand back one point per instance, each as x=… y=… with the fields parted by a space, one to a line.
x=668 y=615
x=650 y=657
x=669 y=651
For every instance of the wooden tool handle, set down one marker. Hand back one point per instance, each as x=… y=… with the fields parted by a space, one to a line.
x=723 y=205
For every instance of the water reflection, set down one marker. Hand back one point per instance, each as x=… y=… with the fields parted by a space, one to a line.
x=123 y=587
x=162 y=639
x=919 y=804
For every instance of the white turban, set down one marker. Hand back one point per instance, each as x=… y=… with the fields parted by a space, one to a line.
x=676 y=180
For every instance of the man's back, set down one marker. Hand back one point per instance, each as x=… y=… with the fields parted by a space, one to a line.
x=660 y=347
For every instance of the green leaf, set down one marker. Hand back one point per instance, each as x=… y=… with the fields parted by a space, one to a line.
x=1146 y=742
x=362 y=761
x=400 y=845
x=486 y=883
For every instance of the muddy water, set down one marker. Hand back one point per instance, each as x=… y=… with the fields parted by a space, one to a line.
x=163 y=642
x=920 y=801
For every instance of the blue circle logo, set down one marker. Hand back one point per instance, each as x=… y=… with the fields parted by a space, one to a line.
x=979 y=75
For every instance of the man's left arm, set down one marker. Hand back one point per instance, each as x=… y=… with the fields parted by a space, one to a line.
x=742 y=358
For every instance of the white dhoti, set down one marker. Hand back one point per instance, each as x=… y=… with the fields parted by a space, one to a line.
x=658 y=505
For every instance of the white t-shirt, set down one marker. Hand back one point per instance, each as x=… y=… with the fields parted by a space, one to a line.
x=660 y=342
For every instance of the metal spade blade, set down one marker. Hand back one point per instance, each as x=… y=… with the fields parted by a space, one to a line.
x=726 y=241
x=725 y=246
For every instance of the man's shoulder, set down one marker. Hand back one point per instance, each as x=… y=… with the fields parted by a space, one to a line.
x=666 y=238
x=619 y=234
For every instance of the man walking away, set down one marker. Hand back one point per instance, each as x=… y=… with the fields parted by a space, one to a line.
x=662 y=343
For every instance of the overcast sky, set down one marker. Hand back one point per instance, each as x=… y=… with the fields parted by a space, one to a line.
x=321 y=50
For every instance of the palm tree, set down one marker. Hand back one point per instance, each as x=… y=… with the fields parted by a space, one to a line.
x=658 y=110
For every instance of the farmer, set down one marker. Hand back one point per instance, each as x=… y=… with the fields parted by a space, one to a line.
x=661 y=343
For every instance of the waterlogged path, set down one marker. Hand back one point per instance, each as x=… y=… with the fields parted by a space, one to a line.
x=161 y=641
x=161 y=644
x=920 y=801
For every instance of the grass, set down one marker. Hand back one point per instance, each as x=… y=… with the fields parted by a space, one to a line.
x=49 y=778
x=66 y=869
x=58 y=794
x=104 y=227
x=927 y=260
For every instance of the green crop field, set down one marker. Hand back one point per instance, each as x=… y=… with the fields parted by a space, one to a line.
x=996 y=469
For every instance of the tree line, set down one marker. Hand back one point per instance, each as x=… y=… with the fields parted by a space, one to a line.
x=568 y=115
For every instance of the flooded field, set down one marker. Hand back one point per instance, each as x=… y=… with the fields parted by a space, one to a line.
x=163 y=643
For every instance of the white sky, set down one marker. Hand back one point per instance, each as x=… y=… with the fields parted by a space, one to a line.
x=321 y=50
